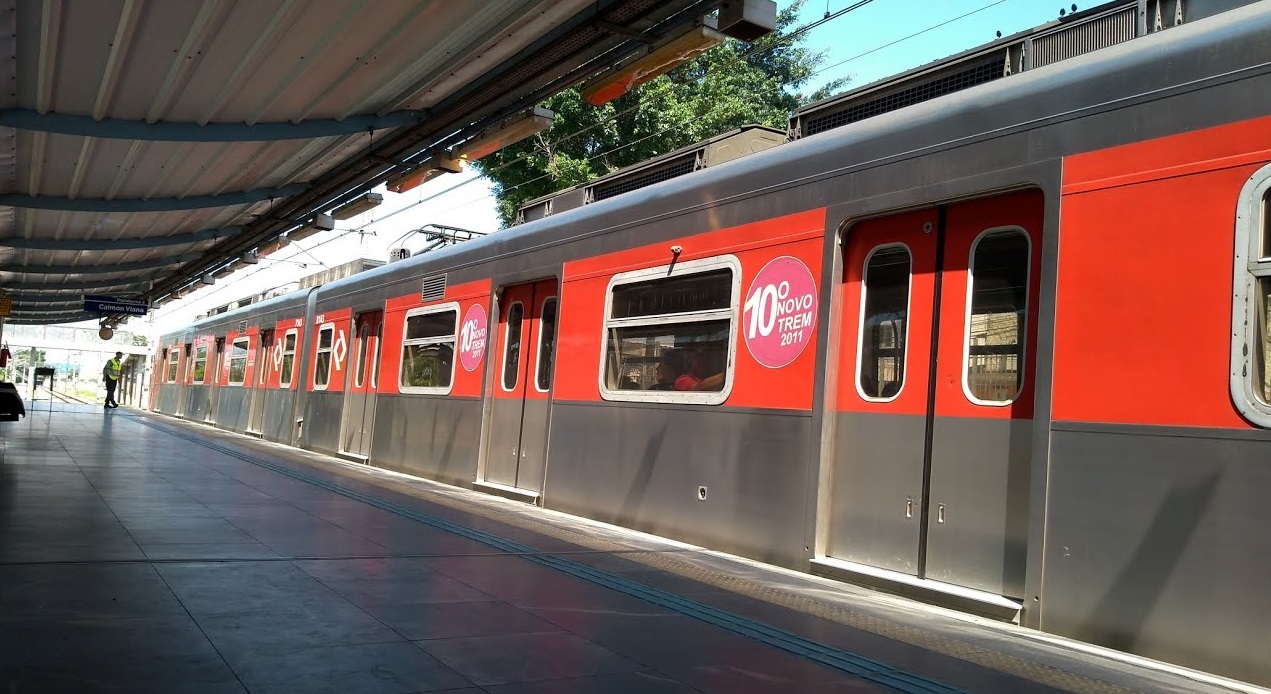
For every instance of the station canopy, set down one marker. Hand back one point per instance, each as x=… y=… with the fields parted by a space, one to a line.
x=146 y=145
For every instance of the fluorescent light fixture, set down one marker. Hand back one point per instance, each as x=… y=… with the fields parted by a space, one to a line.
x=302 y=233
x=273 y=246
x=435 y=166
x=657 y=61
x=512 y=130
x=323 y=222
x=227 y=270
x=355 y=207
x=747 y=20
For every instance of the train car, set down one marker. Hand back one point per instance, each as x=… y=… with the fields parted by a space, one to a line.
x=239 y=371
x=1006 y=349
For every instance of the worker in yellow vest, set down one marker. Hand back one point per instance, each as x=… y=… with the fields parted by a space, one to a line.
x=110 y=374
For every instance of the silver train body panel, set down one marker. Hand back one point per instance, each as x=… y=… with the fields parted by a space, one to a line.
x=1111 y=534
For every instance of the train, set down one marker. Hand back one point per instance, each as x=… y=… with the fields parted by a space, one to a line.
x=1003 y=347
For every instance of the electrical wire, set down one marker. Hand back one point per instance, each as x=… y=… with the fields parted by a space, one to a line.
x=614 y=117
x=910 y=36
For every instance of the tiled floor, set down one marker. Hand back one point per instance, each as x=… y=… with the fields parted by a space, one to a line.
x=132 y=560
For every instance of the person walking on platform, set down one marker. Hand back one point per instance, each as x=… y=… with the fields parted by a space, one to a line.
x=110 y=374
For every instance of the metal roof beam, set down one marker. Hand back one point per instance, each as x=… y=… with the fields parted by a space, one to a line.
x=62 y=287
x=46 y=318
x=48 y=312
x=26 y=269
x=193 y=202
x=119 y=244
x=168 y=131
x=560 y=58
x=20 y=301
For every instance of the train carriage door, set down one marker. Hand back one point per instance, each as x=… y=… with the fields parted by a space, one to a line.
x=359 y=394
x=525 y=344
x=185 y=369
x=933 y=438
x=213 y=376
x=264 y=359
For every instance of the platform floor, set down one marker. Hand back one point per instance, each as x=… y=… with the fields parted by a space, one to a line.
x=140 y=553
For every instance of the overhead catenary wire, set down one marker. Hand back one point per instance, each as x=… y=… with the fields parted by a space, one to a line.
x=910 y=36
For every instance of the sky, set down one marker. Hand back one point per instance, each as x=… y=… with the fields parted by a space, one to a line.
x=876 y=40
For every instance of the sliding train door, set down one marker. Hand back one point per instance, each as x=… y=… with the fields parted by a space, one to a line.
x=359 y=394
x=264 y=350
x=525 y=343
x=214 y=378
x=935 y=395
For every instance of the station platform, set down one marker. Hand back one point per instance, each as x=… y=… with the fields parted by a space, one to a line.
x=140 y=553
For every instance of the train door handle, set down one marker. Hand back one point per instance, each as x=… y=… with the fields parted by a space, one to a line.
x=909 y=507
x=940 y=513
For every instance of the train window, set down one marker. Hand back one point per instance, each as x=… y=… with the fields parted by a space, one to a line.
x=1266 y=227
x=428 y=352
x=363 y=346
x=238 y=361
x=375 y=365
x=217 y=358
x=288 y=359
x=995 y=325
x=546 y=346
x=1263 y=350
x=880 y=367
x=199 y=372
x=173 y=356
x=1251 y=346
x=263 y=356
x=1262 y=290
x=512 y=345
x=669 y=333
x=322 y=357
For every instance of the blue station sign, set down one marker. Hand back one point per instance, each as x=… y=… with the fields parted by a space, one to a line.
x=115 y=306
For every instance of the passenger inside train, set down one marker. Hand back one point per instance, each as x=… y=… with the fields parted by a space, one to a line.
x=705 y=369
x=670 y=370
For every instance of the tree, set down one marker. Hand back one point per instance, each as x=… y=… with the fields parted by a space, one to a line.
x=732 y=85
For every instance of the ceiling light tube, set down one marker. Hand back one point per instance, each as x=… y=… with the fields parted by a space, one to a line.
x=657 y=61
x=355 y=207
x=508 y=132
x=435 y=166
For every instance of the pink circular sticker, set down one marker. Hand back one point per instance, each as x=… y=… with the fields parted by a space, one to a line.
x=472 y=337
x=780 y=312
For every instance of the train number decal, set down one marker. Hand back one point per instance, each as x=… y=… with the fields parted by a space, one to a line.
x=780 y=312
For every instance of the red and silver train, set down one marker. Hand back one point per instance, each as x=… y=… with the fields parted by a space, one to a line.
x=1008 y=345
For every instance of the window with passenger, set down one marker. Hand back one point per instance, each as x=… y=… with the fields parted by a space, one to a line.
x=428 y=350
x=669 y=333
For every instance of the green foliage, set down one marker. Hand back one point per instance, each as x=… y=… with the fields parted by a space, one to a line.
x=732 y=85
